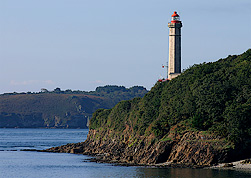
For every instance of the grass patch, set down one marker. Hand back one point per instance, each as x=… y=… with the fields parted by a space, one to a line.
x=133 y=143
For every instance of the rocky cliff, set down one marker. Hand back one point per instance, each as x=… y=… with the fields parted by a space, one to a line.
x=186 y=149
x=200 y=118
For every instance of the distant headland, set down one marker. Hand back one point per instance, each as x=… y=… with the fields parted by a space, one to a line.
x=58 y=108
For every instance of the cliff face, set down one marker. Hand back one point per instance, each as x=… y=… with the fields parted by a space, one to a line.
x=190 y=148
x=199 y=118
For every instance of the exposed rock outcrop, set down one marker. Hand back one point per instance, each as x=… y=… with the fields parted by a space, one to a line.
x=190 y=149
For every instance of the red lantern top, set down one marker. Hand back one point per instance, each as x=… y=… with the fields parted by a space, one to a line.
x=175 y=18
x=175 y=14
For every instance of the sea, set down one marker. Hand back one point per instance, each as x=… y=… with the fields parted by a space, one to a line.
x=15 y=163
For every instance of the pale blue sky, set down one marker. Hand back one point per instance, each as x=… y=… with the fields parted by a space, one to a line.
x=82 y=44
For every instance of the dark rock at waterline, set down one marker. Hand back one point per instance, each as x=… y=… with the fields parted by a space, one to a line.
x=187 y=151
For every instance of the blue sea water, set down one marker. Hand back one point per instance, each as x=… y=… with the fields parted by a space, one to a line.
x=28 y=164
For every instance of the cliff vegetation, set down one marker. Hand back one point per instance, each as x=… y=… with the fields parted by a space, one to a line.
x=201 y=117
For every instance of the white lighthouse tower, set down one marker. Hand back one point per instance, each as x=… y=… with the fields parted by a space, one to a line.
x=174 y=64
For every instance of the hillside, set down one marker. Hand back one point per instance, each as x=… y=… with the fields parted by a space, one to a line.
x=199 y=118
x=60 y=109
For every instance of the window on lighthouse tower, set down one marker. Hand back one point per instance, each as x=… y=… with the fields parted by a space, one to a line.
x=176 y=18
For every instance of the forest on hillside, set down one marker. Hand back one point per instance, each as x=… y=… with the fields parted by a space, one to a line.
x=60 y=109
x=212 y=97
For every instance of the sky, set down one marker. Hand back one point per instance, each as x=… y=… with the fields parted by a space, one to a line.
x=83 y=44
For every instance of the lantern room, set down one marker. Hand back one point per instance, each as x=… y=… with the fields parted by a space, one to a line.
x=175 y=18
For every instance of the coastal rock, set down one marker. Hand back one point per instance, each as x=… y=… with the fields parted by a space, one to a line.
x=192 y=149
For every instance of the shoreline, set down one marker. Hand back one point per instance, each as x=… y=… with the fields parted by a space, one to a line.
x=241 y=165
x=235 y=165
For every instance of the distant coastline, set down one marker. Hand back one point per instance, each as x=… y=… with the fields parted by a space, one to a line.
x=60 y=109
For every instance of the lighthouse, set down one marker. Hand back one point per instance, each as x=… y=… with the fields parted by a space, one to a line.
x=174 y=64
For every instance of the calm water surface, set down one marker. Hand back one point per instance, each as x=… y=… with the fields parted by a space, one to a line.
x=20 y=164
